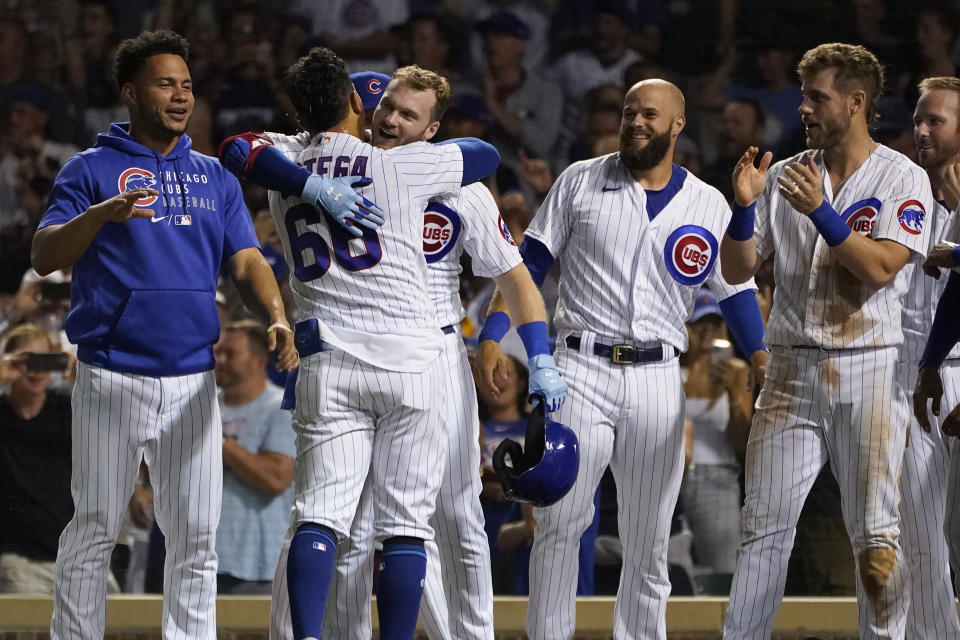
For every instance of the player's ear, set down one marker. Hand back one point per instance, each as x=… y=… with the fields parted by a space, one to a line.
x=129 y=93
x=678 y=124
x=857 y=101
x=356 y=103
x=431 y=130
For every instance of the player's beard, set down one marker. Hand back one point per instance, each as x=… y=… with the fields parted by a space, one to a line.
x=828 y=134
x=942 y=155
x=646 y=157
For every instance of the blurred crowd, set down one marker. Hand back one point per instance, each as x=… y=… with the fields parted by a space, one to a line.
x=544 y=81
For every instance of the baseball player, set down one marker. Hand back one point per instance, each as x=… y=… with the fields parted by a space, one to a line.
x=936 y=123
x=841 y=221
x=458 y=596
x=923 y=481
x=146 y=224
x=636 y=237
x=369 y=394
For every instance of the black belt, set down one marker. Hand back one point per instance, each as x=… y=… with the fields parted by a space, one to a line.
x=625 y=353
x=306 y=336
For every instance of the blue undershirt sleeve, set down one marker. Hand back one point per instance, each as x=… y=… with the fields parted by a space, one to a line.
x=480 y=159
x=538 y=259
x=946 y=329
x=742 y=314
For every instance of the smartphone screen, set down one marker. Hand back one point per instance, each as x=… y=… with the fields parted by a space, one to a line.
x=54 y=361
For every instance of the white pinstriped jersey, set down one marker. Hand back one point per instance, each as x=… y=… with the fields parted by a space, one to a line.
x=819 y=302
x=370 y=293
x=623 y=275
x=923 y=292
x=470 y=222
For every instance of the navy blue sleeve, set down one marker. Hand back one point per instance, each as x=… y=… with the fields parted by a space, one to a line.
x=480 y=159
x=538 y=259
x=73 y=193
x=742 y=314
x=946 y=329
x=254 y=157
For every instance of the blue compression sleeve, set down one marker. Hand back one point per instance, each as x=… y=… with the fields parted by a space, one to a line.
x=945 y=330
x=264 y=164
x=955 y=254
x=743 y=317
x=742 y=222
x=310 y=563
x=403 y=568
x=534 y=338
x=496 y=326
x=829 y=224
x=538 y=259
x=480 y=159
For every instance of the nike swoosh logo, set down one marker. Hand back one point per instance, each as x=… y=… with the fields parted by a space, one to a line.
x=158 y=219
x=605 y=189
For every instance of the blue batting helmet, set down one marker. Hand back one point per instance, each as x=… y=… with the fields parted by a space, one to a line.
x=546 y=471
x=370 y=85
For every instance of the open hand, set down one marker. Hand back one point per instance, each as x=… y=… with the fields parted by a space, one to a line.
x=802 y=186
x=122 y=207
x=748 y=179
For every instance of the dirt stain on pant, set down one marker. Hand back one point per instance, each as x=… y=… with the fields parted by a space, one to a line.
x=876 y=565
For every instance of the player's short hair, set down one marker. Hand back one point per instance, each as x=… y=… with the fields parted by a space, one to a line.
x=256 y=335
x=132 y=53
x=949 y=83
x=855 y=67
x=320 y=88
x=24 y=333
x=422 y=79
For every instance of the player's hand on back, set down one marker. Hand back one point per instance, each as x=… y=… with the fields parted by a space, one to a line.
x=280 y=339
x=490 y=369
x=546 y=381
x=122 y=207
x=749 y=179
x=336 y=196
x=929 y=387
x=941 y=257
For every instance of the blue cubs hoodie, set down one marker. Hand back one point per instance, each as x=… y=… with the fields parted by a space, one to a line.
x=143 y=294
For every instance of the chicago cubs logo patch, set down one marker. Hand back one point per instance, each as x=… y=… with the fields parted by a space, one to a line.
x=689 y=254
x=911 y=215
x=374 y=86
x=136 y=178
x=441 y=229
x=862 y=215
x=504 y=231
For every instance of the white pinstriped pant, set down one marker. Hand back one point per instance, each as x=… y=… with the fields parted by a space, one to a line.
x=923 y=483
x=458 y=596
x=630 y=418
x=174 y=424
x=842 y=406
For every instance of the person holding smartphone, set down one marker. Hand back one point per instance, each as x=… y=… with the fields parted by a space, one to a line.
x=720 y=406
x=34 y=435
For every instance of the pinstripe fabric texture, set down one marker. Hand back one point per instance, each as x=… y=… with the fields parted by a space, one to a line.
x=845 y=406
x=174 y=424
x=950 y=374
x=926 y=461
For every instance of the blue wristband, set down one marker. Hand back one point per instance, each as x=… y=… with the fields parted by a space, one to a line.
x=955 y=254
x=742 y=223
x=829 y=224
x=534 y=337
x=495 y=327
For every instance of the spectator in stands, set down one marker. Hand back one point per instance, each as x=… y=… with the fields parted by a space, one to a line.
x=35 y=465
x=258 y=453
x=526 y=109
x=936 y=26
x=894 y=126
x=428 y=42
x=720 y=407
x=743 y=126
x=604 y=62
x=13 y=54
x=89 y=65
x=601 y=118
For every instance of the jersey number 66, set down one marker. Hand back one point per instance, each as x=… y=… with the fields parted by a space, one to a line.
x=314 y=242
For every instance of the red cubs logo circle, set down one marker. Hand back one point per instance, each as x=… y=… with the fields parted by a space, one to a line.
x=441 y=229
x=689 y=254
x=911 y=215
x=374 y=86
x=862 y=220
x=136 y=178
x=505 y=231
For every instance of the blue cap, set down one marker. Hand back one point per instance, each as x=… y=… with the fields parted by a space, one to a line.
x=370 y=85
x=469 y=106
x=705 y=305
x=505 y=22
